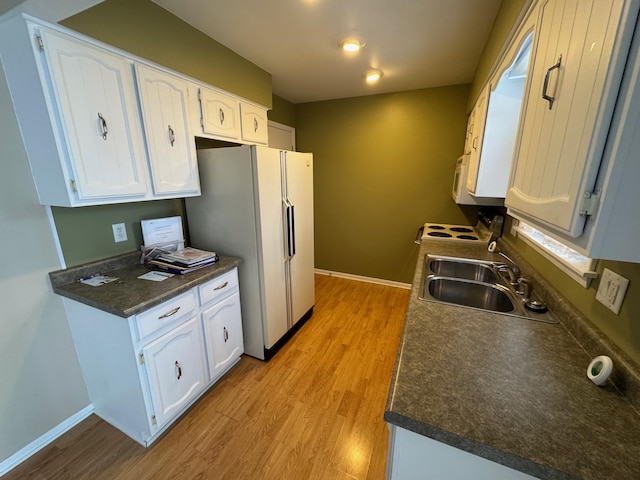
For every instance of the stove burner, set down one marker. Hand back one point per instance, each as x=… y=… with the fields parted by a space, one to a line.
x=439 y=234
x=436 y=227
x=466 y=237
x=461 y=229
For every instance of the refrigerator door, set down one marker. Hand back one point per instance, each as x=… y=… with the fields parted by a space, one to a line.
x=299 y=194
x=271 y=243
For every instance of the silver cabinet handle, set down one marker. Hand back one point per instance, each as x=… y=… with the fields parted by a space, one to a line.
x=179 y=372
x=168 y=314
x=226 y=334
x=221 y=116
x=103 y=124
x=172 y=136
x=545 y=85
x=220 y=287
x=255 y=124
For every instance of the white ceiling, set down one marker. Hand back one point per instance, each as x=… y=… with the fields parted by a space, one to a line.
x=417 y=43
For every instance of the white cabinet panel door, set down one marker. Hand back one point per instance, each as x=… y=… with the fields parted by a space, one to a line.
x=219 y=114
x=96 y=101
x=175 y=368
x=223 y=334
x=578 y=63
x=254 y=124
x=170 y=143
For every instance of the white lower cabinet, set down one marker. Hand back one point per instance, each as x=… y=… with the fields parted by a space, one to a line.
x=415 y=457
x=142 y=372
x=176 y=370
x=223 y=334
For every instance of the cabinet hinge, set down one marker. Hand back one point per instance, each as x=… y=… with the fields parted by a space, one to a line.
x=39 y=43
x=589 y=203
x=74 y=185
x=153 y=420
x=141 y=358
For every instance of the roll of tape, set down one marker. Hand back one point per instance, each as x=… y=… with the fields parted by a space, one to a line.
x=599 y=369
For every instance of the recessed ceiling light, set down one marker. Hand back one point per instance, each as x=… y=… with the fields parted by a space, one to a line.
x=372 y=76
x=351 y=45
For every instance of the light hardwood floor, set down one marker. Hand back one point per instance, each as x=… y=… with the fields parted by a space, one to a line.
x=313 y=412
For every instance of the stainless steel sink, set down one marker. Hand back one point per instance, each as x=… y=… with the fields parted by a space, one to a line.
x=469 y=293
x=477 y=284
x=467 y=269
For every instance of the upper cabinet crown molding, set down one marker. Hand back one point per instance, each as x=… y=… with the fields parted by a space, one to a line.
x=77 y=101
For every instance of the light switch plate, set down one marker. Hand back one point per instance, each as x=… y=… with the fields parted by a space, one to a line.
x=611 y=290
x=119 y=232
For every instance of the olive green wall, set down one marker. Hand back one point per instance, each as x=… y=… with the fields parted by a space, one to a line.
x=623 y=329
x=149 y=31
x=283 y=111
x=383 y=165
x=505 y=20
x=85 y=233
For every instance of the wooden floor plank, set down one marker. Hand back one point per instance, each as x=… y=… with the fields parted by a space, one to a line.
x=314 y=411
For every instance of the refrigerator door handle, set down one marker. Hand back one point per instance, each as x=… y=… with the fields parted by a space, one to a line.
x=291 y=240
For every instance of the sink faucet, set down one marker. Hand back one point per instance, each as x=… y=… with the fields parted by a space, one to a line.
x=513 y=270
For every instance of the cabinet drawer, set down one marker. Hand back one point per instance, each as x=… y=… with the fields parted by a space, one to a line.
x=219 y=287
x=168 y=313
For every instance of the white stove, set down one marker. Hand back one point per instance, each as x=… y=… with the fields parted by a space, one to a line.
x=460 y=233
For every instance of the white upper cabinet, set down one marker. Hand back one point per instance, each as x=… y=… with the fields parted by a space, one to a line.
x=499 y=107
x=475 y=134
x=579 y=57
x=254 y=124
x=219 y=114
x=96 y=99
x=170 y=143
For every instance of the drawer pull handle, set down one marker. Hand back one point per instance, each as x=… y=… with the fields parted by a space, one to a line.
x=226 y=334
x=168 y=314
x=222 y=286
x=179 y=367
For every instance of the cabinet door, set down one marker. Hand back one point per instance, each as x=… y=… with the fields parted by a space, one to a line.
x=95 y=97
x=170 y=143
x=581 y=51
x=219 y=114
x=223 y=334
x=175 y=369
x=254 y=124
x=479 y=115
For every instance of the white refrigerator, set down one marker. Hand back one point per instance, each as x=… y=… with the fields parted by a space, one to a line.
x=257 y=204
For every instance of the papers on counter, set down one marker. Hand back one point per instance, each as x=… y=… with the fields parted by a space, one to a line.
x=156 y=276
x=97 y=280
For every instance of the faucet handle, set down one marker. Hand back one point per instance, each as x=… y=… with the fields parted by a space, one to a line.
x=524 y=288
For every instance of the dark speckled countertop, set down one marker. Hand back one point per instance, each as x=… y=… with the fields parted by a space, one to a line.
x=513 y=390
x=130 y=295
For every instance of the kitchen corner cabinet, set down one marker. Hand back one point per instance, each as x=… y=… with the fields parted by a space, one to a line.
x=144 y=371
x=164 y=99
x=578 y=61
x=254 y=124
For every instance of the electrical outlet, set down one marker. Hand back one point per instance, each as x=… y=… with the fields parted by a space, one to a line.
x=119 y=232
x=611 y=290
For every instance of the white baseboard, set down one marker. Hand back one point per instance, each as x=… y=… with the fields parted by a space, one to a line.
x=44 y=440
x=360 y=278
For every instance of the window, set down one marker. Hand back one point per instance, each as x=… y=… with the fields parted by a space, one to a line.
x=574 y=264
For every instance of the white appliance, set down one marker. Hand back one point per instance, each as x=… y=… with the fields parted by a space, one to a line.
x=257 y=204
x=459 y=190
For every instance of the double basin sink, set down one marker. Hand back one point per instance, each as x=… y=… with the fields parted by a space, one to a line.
x=477 y=284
